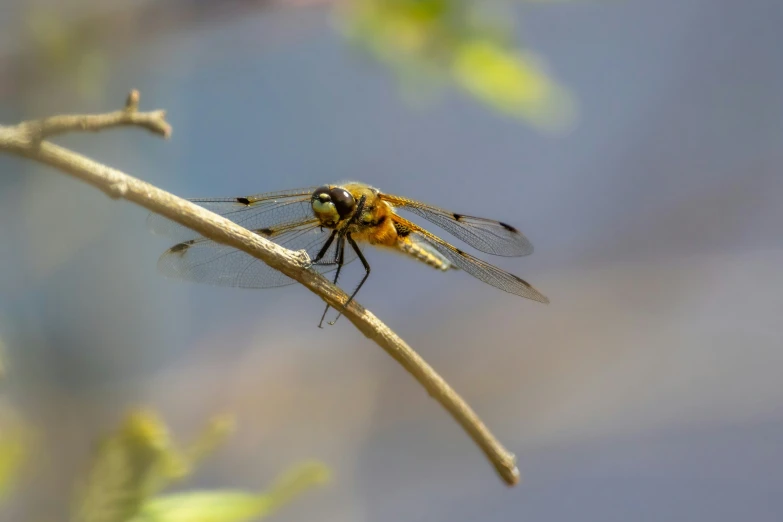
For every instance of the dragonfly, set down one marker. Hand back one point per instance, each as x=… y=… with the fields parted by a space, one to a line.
x=332 y=223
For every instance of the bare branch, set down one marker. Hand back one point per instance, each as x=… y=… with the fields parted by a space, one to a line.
x=19 y=140
x=153 y=121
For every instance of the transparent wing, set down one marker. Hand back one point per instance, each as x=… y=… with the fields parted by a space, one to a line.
x=269 y=210
x=205 y=261
x=479 y=269
x=283 y=217
x=486 y=235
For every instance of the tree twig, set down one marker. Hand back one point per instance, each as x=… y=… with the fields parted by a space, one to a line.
x=154 y=121
x=26 y=140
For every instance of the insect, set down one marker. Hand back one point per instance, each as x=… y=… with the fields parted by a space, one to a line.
x=331 y=223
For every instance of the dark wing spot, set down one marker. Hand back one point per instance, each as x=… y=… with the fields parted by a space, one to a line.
x=264 y=231
x=523 y=282
x=181 y=247
x=244 y=201
x=402 y=230
x=457 y=216
x=460 y=252
x=508 y=227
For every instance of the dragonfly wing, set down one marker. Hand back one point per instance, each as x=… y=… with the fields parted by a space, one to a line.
x=479 y=269
x=486 y=235
x=269 y=210
x=205 y=261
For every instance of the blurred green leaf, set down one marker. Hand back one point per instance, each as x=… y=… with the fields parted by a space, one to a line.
x=212 y=436
x=232 y=506
x=177 y=464
x=457 y=40
x=126 y=469
x=512 y=83
x=13 y=449
x=132 y=465
x=205 y=506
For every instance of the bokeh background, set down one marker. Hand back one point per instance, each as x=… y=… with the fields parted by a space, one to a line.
x=651 y=388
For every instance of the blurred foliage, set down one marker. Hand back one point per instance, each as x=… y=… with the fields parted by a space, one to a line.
x=13 y=449
x=135 y=463
x=435 y=40
x=14 y=442
x=469 y=43
x=130 y=466
x=232 y=506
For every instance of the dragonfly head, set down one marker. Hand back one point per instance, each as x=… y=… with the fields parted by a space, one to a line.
x=332 y=204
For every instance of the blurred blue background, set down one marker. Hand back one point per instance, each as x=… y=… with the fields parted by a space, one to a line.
x=650 y=387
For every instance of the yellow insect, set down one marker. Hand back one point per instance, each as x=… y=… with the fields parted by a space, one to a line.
x=324 y=221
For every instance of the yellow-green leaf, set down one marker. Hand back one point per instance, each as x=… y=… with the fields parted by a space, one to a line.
x=124 y=472
x=511 y=82
x=229 y=505
x=459 y=41
x=216 y=431
x=13 y=449
x=205 y=506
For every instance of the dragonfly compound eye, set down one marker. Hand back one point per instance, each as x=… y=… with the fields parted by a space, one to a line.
x=321 y=194
x=343 y=201
x=322 y=205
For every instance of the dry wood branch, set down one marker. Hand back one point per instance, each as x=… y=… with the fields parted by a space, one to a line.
x=154 y=121
x=25 y=140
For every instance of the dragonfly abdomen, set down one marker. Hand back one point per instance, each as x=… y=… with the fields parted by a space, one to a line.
x=424 y=253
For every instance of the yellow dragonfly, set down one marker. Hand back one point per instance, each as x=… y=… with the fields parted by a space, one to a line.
x=331 y=223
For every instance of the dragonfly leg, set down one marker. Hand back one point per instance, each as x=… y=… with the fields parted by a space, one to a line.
x=322 y=252
x=366 y=275
x=339 y=259
x=340 y=254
